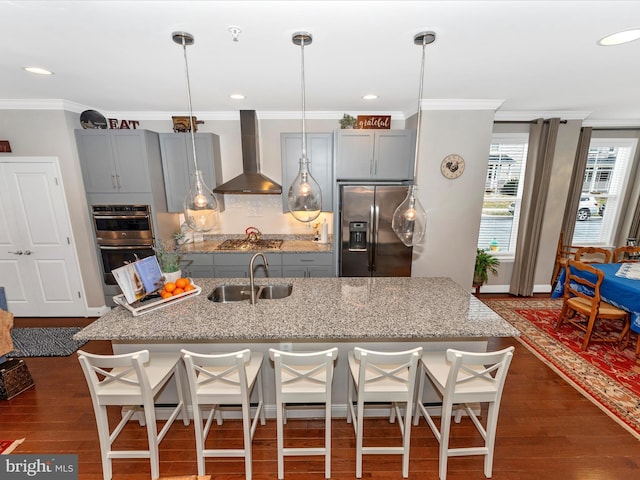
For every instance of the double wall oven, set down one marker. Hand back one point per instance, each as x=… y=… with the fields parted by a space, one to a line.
x=124 y=233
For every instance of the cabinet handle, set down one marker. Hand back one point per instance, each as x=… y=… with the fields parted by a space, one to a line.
x=118 y=182
x=113 y=182
x=19 y=252
x=28 y=252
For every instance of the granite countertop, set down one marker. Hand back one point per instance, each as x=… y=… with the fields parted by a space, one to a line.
x=383 y=308
x=290 y=244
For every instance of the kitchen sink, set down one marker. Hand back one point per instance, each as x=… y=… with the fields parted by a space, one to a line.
x=238 y=293
x=273 y=292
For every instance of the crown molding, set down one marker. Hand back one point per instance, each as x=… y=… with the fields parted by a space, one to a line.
x=461 y=104
x=528 y=115
x=42 y=104
x=627 y=123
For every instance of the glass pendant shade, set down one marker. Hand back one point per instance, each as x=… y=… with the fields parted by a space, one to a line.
x=200 y=205
x=304 y=197
x=410 y=220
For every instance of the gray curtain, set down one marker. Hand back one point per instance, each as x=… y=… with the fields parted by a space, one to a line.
x=542 y=144
x=575 y=185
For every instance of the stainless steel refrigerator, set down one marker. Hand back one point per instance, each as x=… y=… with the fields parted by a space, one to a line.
x=368 y=245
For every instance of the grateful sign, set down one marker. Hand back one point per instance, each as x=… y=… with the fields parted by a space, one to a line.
x=374 y=121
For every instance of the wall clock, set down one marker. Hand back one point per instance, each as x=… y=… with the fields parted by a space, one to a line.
x=452 y=166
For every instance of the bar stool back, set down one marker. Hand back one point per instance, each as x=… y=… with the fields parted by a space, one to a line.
x=382 y=377
x=303 y=378
x=133 y=380
x=224 y=379
x=463 y=378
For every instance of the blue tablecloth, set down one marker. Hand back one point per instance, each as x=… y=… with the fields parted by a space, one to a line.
x=622 y=292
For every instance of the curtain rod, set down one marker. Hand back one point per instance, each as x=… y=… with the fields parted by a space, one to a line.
x=523 y=121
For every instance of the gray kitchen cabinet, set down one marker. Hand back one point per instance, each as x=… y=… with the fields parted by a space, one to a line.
x=320 y=154
x=197 y=265
x=178 y=166
x=116 y=161
x=236 y=265
x=307 y=265
x=375 y=154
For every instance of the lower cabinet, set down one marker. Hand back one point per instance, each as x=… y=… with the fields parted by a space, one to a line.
x=197 y=265
x=236 y=265
x=307 y=265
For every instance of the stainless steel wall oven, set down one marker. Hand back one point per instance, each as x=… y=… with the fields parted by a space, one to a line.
x=124 y=233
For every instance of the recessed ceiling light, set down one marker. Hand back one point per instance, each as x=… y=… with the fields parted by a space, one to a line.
x=38 y=70
x=621 y=37
x=371 y=96
x=237 y=96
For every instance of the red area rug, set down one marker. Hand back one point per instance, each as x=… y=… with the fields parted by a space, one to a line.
x=7 y=446
x=608 y=377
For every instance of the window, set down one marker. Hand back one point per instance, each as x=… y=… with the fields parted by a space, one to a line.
x=603 y=187
x=503 y=192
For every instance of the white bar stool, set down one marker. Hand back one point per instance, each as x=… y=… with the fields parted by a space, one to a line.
x=224 y=379
x=463 y=378
x=133 y=380
x=303 y=378
x=382 y=377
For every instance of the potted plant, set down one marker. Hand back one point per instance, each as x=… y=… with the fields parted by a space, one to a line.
x=485 y=264
x=168 y=255
x=347 y=121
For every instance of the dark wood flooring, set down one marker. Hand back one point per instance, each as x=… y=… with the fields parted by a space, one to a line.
x=546 y=430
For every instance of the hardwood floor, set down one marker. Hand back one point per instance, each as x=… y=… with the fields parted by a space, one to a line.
x=546 y=430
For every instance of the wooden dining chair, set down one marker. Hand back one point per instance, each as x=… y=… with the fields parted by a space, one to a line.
x=626 y=254
x=564 y=252
x=583 y=306
x=592 y=255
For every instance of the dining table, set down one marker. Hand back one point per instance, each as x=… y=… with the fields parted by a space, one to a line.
x=619 y=291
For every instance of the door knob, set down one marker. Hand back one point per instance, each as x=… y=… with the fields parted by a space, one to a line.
x=19 y=252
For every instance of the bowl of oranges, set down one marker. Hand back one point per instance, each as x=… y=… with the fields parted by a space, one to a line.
x=178 y=288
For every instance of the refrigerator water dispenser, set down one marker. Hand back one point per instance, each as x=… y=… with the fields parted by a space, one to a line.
x=357 y=236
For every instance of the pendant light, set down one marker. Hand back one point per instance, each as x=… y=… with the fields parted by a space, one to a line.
x=305 y=197
x=409 y=219
x=200 y=204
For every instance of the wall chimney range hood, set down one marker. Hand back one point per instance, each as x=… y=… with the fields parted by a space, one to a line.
x=250 y=181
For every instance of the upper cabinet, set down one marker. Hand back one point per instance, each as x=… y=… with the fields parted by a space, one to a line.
x=178 y=165
x=320 y=154
x=116 y=161
x=375 y=154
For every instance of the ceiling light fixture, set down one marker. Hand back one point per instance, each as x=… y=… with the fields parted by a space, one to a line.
x=371 y=96
x=409 y=219
x=619 y=38
x=237 y=96
x=200 y=204
x=305 y=197
x=38 y=70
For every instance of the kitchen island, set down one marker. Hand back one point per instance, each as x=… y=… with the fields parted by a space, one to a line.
x=385 y=313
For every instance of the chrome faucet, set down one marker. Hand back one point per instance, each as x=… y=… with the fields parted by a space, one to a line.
x=251 y=279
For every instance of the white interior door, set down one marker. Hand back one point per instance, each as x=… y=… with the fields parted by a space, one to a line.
x=38 y=263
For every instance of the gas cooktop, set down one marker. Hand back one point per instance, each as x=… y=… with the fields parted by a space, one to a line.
x=244 y=244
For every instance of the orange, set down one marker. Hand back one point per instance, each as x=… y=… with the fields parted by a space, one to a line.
x=182 y=282
x=189 y=287
x=170 y=287
x=165 y=294
x=178 y=291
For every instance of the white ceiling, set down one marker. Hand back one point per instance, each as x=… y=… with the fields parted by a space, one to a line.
x=118 y=56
